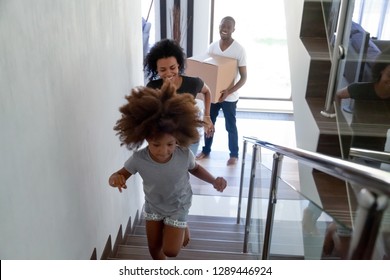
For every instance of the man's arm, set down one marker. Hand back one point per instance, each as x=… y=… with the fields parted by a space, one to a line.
x=237 y=86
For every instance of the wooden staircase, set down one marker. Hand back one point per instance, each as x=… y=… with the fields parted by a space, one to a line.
x=212 y=238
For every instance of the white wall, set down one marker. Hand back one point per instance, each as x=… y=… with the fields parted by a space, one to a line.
x=65 y=67
x=299 y=71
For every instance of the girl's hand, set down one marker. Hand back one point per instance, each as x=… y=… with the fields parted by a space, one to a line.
x=220 y=184
x=117 y=180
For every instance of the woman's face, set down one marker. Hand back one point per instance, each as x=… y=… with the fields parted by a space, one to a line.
x=168 y=68
x=162 y=148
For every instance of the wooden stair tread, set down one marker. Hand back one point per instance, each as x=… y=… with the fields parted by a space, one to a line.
x=213 y=238
x=195 y=243
x=142 y=253
x=212 y=226
x=204 y=234
x=217 y=219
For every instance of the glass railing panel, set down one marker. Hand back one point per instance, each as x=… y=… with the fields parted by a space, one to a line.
x=313 y=194
x=319 y=209
x=340 y=201
x=315 y=224
x=299 y=225
x=287 y=234
x=366 y=126
x=287 y=238
x=300 y=181
x=261 y=185
x=382 y=246
x=324 y=202
x=293 y=234
x=364 y=41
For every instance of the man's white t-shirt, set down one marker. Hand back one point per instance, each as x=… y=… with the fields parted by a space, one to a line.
x=236 y=51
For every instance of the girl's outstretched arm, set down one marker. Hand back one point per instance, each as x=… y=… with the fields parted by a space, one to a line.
x=119 y=178
x=200 y=172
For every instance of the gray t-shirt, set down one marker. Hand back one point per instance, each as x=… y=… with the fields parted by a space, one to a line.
x=166 y=185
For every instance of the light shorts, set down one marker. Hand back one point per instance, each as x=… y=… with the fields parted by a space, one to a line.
x=178 y=219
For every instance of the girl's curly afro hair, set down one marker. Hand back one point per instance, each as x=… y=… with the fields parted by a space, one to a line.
x=150 y=113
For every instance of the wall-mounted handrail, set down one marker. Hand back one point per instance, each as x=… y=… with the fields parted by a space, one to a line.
x=374 y=180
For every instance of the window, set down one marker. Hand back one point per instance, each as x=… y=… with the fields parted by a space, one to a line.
x=373 y=16
x=149 y=17
x=261 y=29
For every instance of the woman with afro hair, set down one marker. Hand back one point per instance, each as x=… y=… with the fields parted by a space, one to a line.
x=166 y=62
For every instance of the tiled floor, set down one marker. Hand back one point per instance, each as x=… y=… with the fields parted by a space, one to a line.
x=274 y=128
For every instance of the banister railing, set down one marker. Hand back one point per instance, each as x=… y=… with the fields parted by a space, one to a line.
x=345 y=12
x=382 y=157
x=373 y=199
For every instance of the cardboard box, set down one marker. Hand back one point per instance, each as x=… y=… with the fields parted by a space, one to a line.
x=217 y=72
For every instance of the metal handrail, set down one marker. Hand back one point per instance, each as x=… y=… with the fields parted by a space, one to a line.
x=345 y=12
x=382 y=157
x=376 y=181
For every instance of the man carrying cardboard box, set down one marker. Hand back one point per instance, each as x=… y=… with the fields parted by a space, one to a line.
x=218 y=72
x=227 y=47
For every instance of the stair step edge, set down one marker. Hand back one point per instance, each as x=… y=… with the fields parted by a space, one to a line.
x=122 y=248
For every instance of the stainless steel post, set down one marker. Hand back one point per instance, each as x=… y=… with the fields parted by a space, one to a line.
x=271 y=206
x=250 y=199
x=345 y=12
x=367 y=224
x=241 y=182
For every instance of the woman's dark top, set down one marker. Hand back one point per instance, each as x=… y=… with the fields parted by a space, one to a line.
x=363 y=91
x=192 y=85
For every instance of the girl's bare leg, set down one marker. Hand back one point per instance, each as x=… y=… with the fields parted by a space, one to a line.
x=186 y=236
x=154 y=233
x=173 y=240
